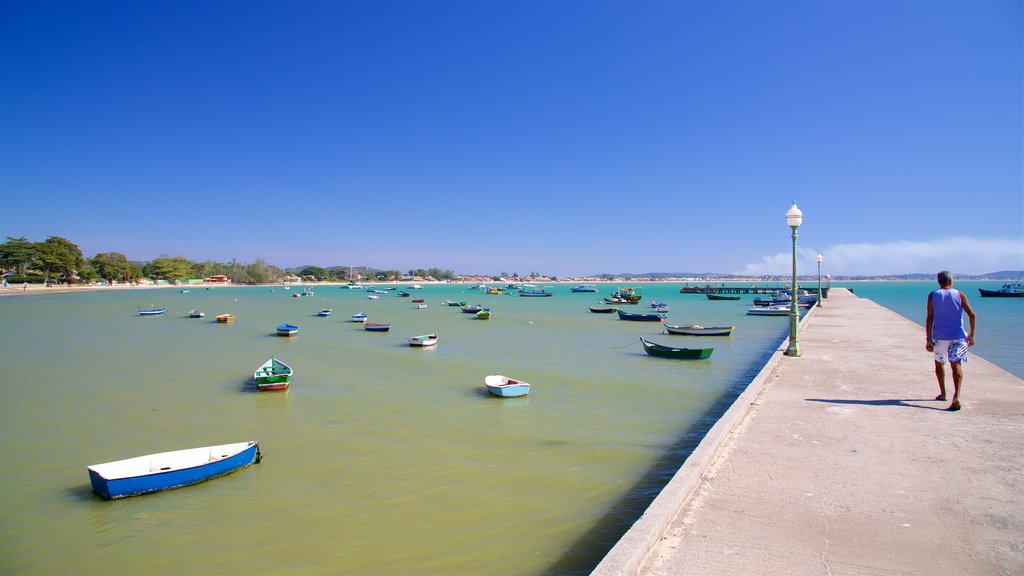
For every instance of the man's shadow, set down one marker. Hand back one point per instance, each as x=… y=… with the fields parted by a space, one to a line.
x=887 y=402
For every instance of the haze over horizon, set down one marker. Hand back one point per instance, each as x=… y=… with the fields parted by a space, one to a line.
x=562 y=138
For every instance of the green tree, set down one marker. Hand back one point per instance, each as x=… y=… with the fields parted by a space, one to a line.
x=168 y=268
x=17 y=253
x=316 y=272
x=111 y=266
x=58 y=257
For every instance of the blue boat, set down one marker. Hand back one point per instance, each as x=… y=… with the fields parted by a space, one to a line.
x=287 y=330
x=167 y=470
x=324 y=313
x=152 y=311
x=584 y=288
x=640 y=317
x=506 y=387
x=359 y=317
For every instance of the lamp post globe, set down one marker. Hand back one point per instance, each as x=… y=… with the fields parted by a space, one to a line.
x=820 y=296
x=794 y=217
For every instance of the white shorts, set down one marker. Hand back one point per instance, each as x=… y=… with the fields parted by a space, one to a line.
x=952 y=350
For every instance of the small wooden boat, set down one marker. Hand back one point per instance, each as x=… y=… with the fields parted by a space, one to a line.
x=681 y=353
x=696 y=330
x=721 y=297
x=196 y=314
x=325 y=312
x=603 y=309
x=506 y=387
x=287 y=330
x=225 y=318
x=454 y=303
x=167 y=470
x=376 y=327
x=640 y=317
x=472 y=309
x=775 y=310
x=484 y=314
x=273 y=375
x=423 y=340
x=416 y=300
x=403 y=293
x=152 y=311
x=584 y=288
x=359 y=317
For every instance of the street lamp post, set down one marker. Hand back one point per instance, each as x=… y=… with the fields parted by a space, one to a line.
x=819 y=281
x=794 y=217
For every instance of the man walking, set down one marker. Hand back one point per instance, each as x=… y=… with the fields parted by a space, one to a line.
x=945 y=335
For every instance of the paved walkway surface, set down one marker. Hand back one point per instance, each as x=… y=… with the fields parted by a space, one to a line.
x=842 y=463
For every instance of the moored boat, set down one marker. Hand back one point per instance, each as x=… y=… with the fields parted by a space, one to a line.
x=167 y=470
x=152 y=311
x=655 y=317
x=602 y=309
x=423 y=340
x=625 y=296
x=325 y=312
x=196 y=314
x=721 y=297
x=472 y=309
x=775 y=310
x=534 y=292
x=1008 y=290
x=359 y=317
x=584 y=288
x=493 y=291
x=376 y=326
x=484 y=314
x=662 y=351
x=287 y=330
x=697 y=330
x=273 y=375
x=225 y=318
x=421 y=306
x=454 y=303
x=506 y=387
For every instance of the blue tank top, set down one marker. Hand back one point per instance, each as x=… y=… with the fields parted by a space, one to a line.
x=947 y=315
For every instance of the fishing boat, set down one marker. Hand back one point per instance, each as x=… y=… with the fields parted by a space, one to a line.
x=680 y=353
x=493 y=291
x=656 y=304
x=152 y=311
x=655 y=317
x=454 y=303
x=480 y=286
x=776 y=310
x=1008 y=290
x=416 y=300
x=697 y=330
x=423 y=340
x=602 y=309
x=325 y=312
x=721 y=297
x=167 y=470
x=225 y=318
x=402 y=293
x=584 y=288
x=472 y=309
x=484 y=314
x=376 y=327
x=287 y=330
x=534 y=292
x=359 y=317
x=506 y=387
x=196 y=314
x=273 y=375
x=624 y=296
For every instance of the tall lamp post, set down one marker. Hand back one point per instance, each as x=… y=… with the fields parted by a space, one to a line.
x=794 y=217
x=819 y=281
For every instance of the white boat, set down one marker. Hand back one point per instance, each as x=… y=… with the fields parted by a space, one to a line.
x=769 y=310
x=372 y=297
x=360 y=317
x=697 y=330
x=506 y=387
x=415 y=287
x=421 y=306
x=196 y=314
x=423 y=340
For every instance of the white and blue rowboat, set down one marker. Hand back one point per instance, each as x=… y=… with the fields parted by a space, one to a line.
x=360 y=317
x=196 y=314
x=152 y=311
x=506 y=387
x=325 y=312
x=167 y=470
x=776 y=310
x=423 y=340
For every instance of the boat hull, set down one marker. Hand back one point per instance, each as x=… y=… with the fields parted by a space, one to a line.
x=999 y=294
x=699 y=330
x=677 y=353
x=165 y=472
x=505 y=387
x=640 y=317
x=423 y=341
x=370 y=327
x=153 y=312
x=599 y=310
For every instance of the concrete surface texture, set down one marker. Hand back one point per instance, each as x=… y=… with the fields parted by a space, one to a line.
x=843 y=463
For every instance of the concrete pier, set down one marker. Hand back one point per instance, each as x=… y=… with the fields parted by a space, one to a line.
x=840 y=462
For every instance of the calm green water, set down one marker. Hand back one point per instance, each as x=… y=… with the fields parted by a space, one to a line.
x=380 y=459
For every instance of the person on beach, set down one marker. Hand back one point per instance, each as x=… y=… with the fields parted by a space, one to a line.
x=945 y=337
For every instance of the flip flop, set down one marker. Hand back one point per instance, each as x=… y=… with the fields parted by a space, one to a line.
x=954 y=407
x=940 y=397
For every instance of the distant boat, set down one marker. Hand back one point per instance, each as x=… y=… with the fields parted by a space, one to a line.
x=721 y=297
x=776 y=310
x=602 y=309
x=472 y=309
x=655 y=317
x=624 y=296
x=196 y=314
x=454 y=303
x=416 y=300
x=373 y=297
x=696 y=330
x=152 y=311
x=493 y=291
x=403 y=293
x=484 y=314
x=360 y=317
x=680 y=353
x=287 y=330
x=273 y=375
x=185 y=291
x=506 y=387
x=225 y=318
x=167 y=470
x=656 y=304
x=421 y=306
x=584 y=288
x=480 y=286
x=325 y=312
x=1008 y=290
x=376 y=327
x=534 y=292
x=414 y=287
x=423 y=340
x=353 y=286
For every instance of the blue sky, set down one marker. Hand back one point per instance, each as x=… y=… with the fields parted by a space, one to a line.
x=565 y=138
